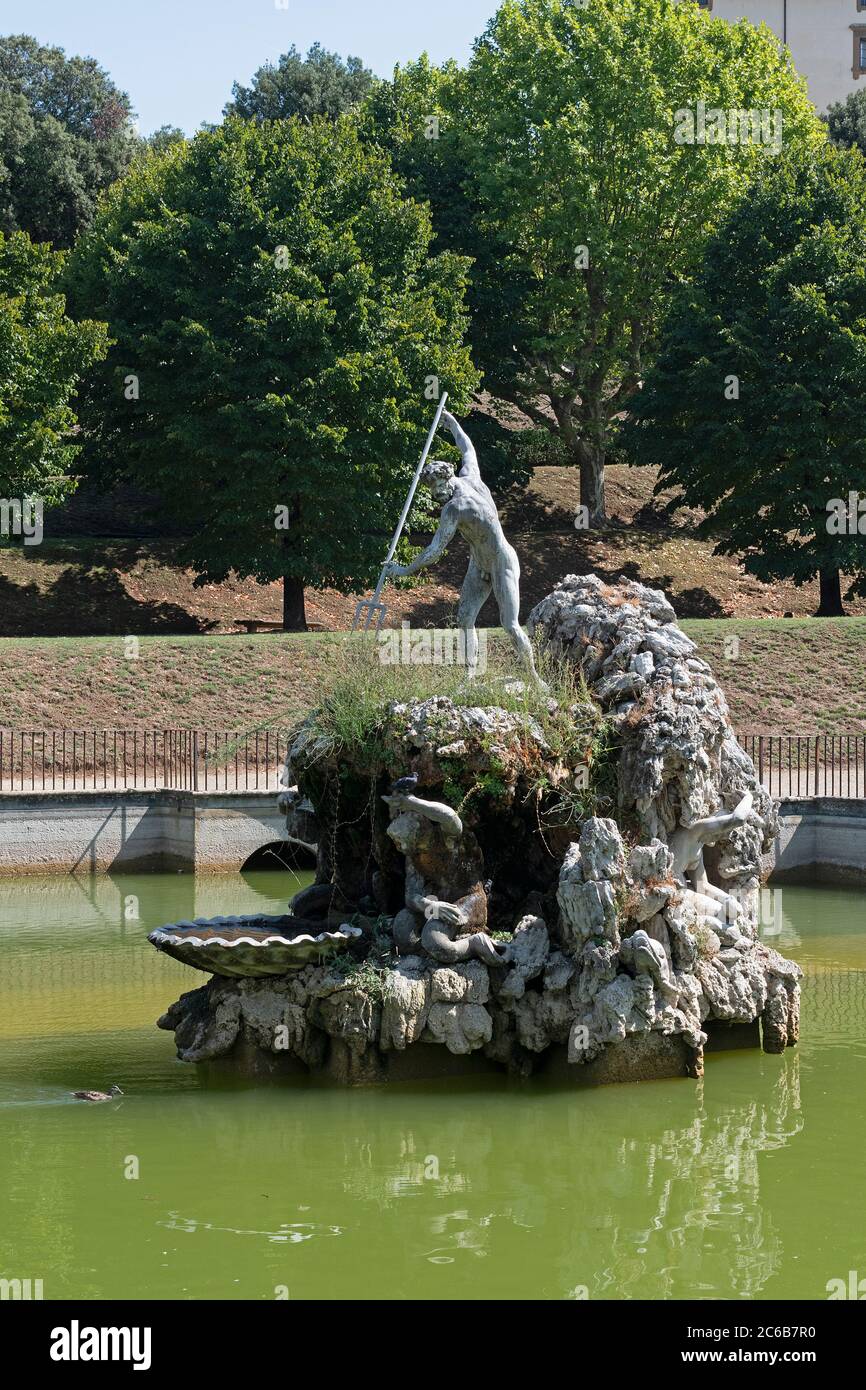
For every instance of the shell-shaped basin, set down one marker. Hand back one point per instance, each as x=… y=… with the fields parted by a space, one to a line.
x=250 y=946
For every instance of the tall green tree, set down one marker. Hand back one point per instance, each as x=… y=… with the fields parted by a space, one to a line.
x=278 y=319
x=163 y=139
x=595 y=177
x=321 y=84
x=846 y=122
x=754 y=409
x=413 y=117
x=65 y=135
x=42 y=356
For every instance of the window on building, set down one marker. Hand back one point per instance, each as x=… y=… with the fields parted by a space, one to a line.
x=859 y=49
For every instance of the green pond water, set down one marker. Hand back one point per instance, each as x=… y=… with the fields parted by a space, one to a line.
x=747 y=1185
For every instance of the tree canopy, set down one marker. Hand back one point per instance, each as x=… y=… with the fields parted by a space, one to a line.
x=754 y=409
x=589 y=171
x=278 y=318
x=42 y=355
x=161 y=140
x=65 y=135
x=321 y=84
x=846 y=122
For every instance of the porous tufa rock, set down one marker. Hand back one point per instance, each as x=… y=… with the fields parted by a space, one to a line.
x=457 y=1017
x=462 y=1028
x=406 y=999
x=460 y=984
x=587 y=890
x=527 y=956
x=602 y=853
x=651 y=886
x=680 y=756
x=270 y=1014
x=344 y=1010
x=633 y=923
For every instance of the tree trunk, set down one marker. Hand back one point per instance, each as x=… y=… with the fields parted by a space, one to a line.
x=294 y=612
x=830 y=605
x=592 y=459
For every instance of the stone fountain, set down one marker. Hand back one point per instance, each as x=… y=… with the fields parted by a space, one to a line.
x=574 y=895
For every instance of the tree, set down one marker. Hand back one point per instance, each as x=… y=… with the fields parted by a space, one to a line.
x=278 y=319
x=163 y=139
x=754 y=409
x=42 y=355
x=65 y=135
x=319 y=85
x=411 y=117
x=846 y=121
x=595 y=178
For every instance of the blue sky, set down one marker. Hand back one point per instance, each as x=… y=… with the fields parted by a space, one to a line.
x=177 y=59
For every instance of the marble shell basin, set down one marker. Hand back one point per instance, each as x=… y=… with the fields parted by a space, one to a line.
x=251 y=946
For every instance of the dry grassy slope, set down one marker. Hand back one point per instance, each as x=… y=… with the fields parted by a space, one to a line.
x=796 y=676
x=95 y=586
x=790 y=676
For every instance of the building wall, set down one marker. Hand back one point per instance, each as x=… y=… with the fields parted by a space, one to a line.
x=819 y=35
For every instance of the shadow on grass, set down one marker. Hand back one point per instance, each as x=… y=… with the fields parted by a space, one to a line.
x=549 y=559
x=87 y=598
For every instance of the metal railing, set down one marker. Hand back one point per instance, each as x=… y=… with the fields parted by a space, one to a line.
x=46 y=760
x=54 y=760
x=809 y=765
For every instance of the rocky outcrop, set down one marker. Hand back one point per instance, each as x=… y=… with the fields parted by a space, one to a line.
x=457 y=1016
x=633 y=928
x=272 y=1015
x=680 y=758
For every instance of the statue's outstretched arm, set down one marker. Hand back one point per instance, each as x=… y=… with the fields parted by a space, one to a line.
x=465 y=445
x=435 y=550
x=723 y=821
x=438 y=811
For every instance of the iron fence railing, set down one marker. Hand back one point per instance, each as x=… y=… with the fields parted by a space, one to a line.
x=47 y=760
x=809 y=765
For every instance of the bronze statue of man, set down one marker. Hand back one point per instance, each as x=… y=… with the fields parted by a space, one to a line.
x=468 y=509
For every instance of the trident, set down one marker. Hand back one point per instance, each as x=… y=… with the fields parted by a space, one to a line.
x=371 y=611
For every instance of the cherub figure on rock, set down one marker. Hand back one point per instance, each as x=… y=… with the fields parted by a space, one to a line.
x=445 y=912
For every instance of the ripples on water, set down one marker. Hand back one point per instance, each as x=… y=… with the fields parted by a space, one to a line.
x=747 y=1185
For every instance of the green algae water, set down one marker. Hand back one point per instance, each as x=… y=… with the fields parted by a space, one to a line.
x=748 y=1185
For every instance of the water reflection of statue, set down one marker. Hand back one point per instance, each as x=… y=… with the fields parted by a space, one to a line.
x=445 y=911
x=468 y=509
x=684 y=1203
x=687 y=845
x=703 y=1222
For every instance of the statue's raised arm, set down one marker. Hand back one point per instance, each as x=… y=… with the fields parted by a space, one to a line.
x=469 y=467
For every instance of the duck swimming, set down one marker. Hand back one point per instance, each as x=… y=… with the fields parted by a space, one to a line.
x=98 y=1095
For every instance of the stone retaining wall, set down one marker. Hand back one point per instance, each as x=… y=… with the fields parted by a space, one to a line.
x=100 y=832
x=820 y=840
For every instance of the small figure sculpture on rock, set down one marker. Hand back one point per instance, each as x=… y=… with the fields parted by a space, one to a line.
x=468 y=509
x=687 y=845
x=645 y=956
x=445 y=911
